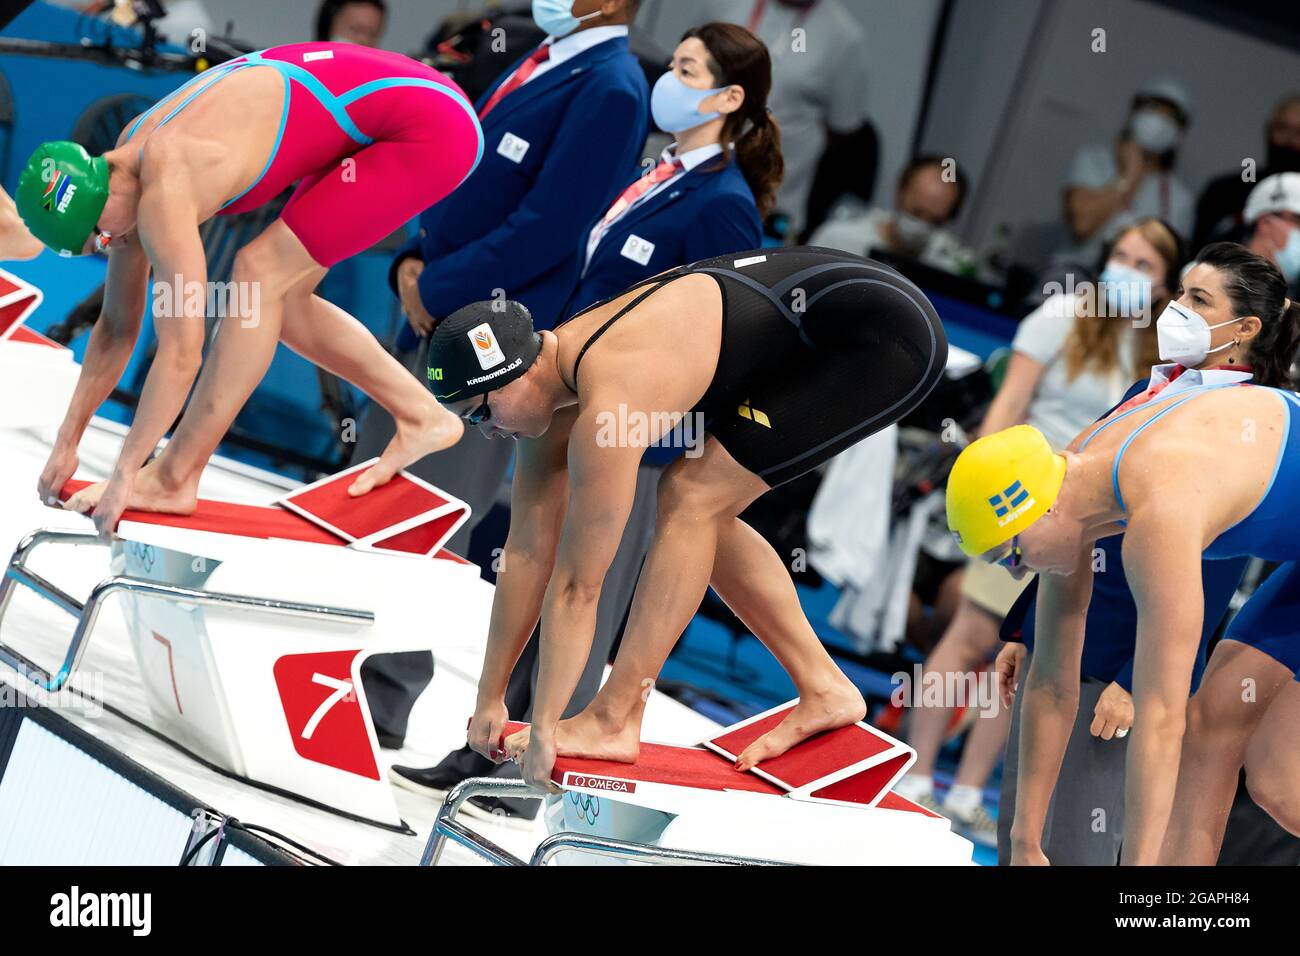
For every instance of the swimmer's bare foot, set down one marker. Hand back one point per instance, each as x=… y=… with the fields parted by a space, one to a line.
x=588 y=735
x=154 y=491
x=85 y=500
x=149 y=492
x=836 y=707
x=436 y=430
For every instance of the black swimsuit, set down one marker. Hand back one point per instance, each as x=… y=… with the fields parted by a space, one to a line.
x=820 y=348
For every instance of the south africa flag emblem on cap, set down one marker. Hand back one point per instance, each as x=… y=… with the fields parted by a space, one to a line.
x=58 y=193
x=47 y=200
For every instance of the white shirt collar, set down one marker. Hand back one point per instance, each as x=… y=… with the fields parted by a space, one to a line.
x=1195 y=376
x=692 y=157
x=581 y=41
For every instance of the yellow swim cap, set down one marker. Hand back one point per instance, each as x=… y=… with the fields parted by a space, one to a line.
x=1001 y=484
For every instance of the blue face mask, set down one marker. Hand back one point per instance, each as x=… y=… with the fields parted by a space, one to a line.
x=1288 y=257
x=556 y=17
x=1127 y=291
x=676 y=106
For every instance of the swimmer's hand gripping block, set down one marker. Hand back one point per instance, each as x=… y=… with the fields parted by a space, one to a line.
x=857 y=764
x=406 y=515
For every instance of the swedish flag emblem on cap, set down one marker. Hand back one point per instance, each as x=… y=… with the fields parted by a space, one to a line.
x=1011 y=498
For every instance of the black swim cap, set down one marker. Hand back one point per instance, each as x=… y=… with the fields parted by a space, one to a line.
x=480 y=348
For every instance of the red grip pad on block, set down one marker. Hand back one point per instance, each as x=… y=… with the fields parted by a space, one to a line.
x=18 y=299
x=244 y=521
x=692 y=767
x=854 y=764
x=407 y=514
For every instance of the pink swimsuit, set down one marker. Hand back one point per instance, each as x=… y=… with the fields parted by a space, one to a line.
x=372 y=138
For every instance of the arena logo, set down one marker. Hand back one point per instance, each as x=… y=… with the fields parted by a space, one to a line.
x=630 y=428
x=922 y=688
x=239 y=300
x=76 y=909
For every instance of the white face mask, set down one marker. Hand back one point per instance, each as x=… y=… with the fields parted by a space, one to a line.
x=1127 y=292
x=1155 y=131
x=1184 y=336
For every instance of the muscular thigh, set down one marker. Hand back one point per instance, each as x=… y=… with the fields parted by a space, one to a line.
x=1275 y=744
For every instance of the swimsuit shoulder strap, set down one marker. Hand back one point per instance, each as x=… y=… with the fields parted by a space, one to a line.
x=1178 y=399
x=202 y=81
x=591 y=339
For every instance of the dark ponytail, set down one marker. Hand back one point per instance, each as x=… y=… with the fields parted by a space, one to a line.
x=1255 y=286
x=737 y=57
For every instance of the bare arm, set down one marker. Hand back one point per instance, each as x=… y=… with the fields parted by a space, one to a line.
x=1088 y=208
x=168 y=227
x=112 y=341
x=602 y=488
x=1011 y=404
x=538 y=499
x=1051 y=697
x=1162 y=559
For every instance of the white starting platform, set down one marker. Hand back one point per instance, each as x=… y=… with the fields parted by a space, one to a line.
x=828 y=801
x=190 y=692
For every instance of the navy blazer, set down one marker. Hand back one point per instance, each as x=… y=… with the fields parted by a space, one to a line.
x=708 y=212
x=556 y=152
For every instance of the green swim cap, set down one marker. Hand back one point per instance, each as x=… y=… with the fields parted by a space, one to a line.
x=61 y=194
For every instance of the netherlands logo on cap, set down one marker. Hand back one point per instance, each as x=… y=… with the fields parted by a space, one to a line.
x=487 y=351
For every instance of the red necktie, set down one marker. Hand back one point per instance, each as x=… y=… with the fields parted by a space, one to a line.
x=665 y=170
x=526 y=69
x=1150 y=393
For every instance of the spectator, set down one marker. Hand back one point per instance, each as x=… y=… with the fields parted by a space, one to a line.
x=819 y=83
x=1219 y=210
x=182 y=17
x=561 y=128
x=1110 y=186
x=1273 y=219
x=1071 y=360
x=927 y=198
x=352 y=21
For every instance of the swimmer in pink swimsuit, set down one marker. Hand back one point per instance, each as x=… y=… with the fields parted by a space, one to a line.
x=371 y=138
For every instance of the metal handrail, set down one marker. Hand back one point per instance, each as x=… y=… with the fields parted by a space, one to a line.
x=447 y=827
x=87 y=612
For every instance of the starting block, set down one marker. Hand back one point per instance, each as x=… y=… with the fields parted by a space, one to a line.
x=37 y=374
x=690 y=805
x=250 y=624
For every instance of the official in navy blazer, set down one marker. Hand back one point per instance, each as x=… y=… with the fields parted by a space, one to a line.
x=561 y=128
x=712 y=187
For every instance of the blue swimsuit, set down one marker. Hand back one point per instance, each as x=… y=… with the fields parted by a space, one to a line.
x=1270 y=620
